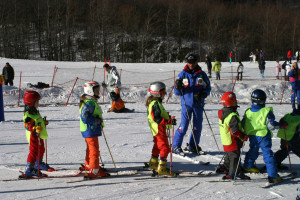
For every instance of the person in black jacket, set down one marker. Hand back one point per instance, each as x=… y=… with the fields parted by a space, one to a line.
x=9 y=74
x=208 y=64
x=262 y=67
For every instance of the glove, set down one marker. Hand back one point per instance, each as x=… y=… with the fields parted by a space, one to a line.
x=283 y=123
x=103 y=84
x=200 y=95
x=99 y=121
x=38 y=129
x=172 y=121
x=241 y=135
x=245 y=137
x=179 y=84
x=46 y=122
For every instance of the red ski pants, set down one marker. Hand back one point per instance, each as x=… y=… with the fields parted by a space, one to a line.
x=92 y=153
x=161 y=145
x=36 y=150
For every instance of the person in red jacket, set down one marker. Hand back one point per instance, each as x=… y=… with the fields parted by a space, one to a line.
x=230 y=56
x=290 y=55
x=232 y=137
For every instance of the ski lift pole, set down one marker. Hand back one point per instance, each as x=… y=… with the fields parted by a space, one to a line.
x=210 y=126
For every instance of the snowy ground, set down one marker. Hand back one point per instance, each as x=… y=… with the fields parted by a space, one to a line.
x=128 y=135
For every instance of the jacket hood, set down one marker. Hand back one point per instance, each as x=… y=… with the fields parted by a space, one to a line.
x=222 y=114
x=197 y=69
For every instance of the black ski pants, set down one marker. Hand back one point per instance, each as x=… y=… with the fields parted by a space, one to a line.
x=293 y=145
x=231 y=160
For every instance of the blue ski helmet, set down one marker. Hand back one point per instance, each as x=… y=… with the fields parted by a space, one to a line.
x=258 y=97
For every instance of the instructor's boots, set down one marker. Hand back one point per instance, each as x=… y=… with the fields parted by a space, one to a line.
x=162 y=169
x=30 y=171
x=194 y=150
x=43 y=166
x=274 y=180
x=153 y=163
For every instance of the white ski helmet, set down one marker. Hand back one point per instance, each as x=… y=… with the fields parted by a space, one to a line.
x=89 y=87
x=156 y=89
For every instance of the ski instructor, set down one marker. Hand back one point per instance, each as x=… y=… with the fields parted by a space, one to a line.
x=193 y=86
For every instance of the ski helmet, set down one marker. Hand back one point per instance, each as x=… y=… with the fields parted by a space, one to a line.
x=229 y=99
x=106 y=65
x=191 y=58
x=157 y=89
x=89 y=87
x=258 y=97
x=30 y=97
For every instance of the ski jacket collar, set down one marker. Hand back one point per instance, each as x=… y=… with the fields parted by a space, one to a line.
x=196 y=70
x=255 y=108
x=226 y=111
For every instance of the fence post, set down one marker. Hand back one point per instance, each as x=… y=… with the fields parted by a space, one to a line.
x=94 y=73
x=54 y=73
x=71 y=91
x=20 y=89
x=1 y=99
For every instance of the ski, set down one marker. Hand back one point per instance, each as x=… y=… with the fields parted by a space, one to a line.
x=186 y=157
x=113 y=170
x=268 y=185
x=23 y=176
x=181 y=174
x=116 y=175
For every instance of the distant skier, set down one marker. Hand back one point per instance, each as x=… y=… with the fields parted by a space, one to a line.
x=230 y=56
x=159 y=121
x=289 y=135
x=240 y=70
x=118 y=105
x=91 y=125
x=261 y=55
x=193 y=86
x=217 y=68
x=208 y=64
x=289 y=55
x=278 y=68
x=232 y=136
x=294 y=74
x=262 y=67
x=36 y=133
x=257 y=122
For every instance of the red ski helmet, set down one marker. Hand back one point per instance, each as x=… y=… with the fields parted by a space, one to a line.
x=229 y=99
x=30 y=97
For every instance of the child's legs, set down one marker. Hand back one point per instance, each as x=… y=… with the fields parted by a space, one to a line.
x=226 y=160
x=41 y=149
x=252 y=154
x=294 y=145
x=93 y=146
x=155 y=150
x=87 y=153
x=293 y=97
x=33 y=149
x=266 y=144
x=234 y=158
x=163 y=145
x=297 y=93
x=282 y=153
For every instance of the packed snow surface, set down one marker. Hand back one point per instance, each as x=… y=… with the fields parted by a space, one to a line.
x=128 y=134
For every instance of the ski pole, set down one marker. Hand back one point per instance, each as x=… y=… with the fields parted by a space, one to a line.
x=287 y=147
x=210 y=126
x=234 y=84
x=238 y=164
x=45 y=119
x=102 y=163
x=109 y=150
x=189 y=121
x=220 y=161
x=39 y=146
x=173 y=130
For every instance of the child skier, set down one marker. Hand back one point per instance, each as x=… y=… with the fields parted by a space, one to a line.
x=294 y=74
x=232 y=136
x=289 y=137
x=91 y=124
x=118 y=105
x=36 y=133
x=257 y=122
x=159 y=121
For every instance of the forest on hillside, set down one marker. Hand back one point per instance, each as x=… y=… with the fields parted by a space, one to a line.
x=147 y=31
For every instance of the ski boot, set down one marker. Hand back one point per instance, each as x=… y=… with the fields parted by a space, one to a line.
x=163 y=170
x=221 y=169
x=251 y=170
x=153 y=163
x=84 y=168
x=274 y=180
x=30 y=171
x=43 y=166
x=179 y=151
x=240 y=176
x=96 y=173
x=282 y=167
x=194 y=150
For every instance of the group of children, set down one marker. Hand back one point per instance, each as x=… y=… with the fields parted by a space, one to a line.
x=257 y=123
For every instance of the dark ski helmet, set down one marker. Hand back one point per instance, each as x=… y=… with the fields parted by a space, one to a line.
x=191 y=58
x=258 y=97
x=30 y=97
x=229 y=100
x=157 y=89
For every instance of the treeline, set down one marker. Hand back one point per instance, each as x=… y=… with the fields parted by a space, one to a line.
x=146 y=30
